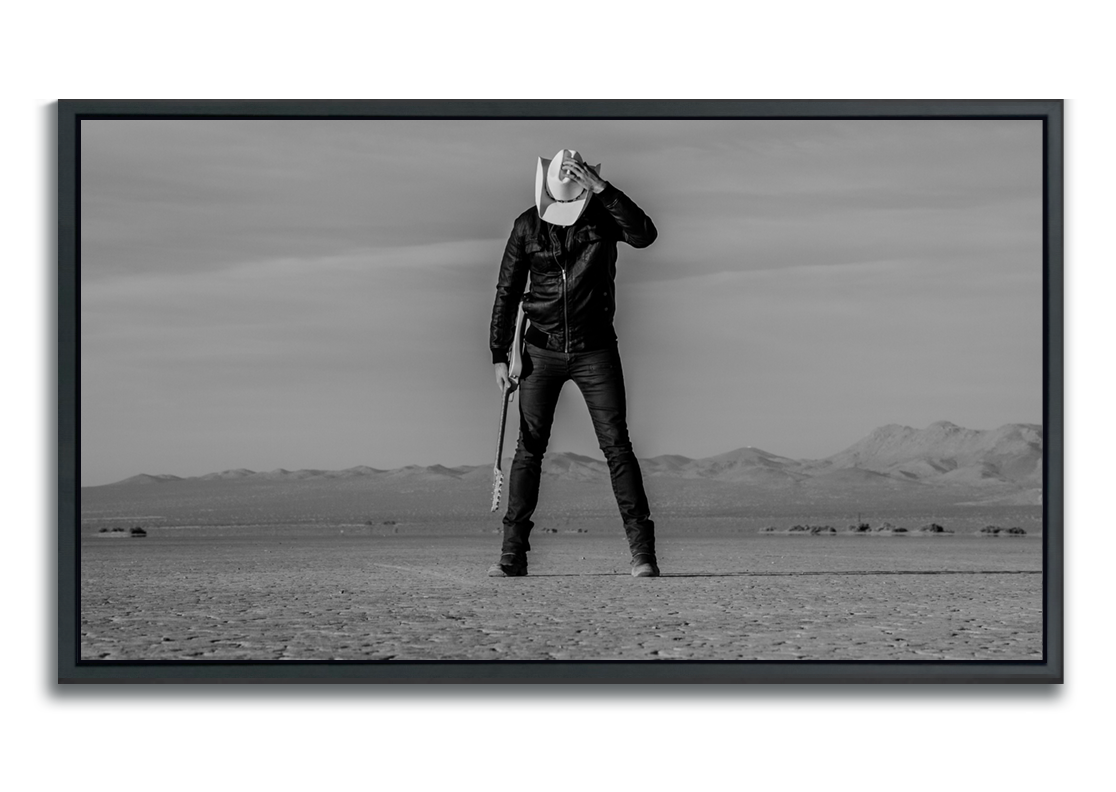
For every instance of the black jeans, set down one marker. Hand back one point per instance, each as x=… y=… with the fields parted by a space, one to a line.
x=600 y=379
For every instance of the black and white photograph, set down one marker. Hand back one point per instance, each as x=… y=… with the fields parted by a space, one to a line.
x=550 y=390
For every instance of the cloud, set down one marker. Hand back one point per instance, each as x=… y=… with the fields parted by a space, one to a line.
x=205 y=194
x=278 y=306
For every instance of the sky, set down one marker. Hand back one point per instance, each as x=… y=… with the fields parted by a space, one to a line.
x=317 y=294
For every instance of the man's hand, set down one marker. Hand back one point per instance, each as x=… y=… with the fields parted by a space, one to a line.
x=584 y=175
x=503 y=381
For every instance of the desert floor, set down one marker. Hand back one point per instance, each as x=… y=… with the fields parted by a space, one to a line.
x=314 y=592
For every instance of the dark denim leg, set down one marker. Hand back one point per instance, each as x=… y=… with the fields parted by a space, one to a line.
x=539 y=386
x=601 y=380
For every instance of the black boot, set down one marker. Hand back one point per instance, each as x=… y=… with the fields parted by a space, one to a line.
x=644 y=565
x=510 y=565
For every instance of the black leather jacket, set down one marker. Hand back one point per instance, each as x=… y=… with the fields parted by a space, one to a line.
x=573 y=275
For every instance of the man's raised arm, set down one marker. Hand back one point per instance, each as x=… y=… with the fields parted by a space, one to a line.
x=635 y=226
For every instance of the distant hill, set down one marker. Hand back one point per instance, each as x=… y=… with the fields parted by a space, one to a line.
x=226 y=474
x=145 y=478
x=944 y=452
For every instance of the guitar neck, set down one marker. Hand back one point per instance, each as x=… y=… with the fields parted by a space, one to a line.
x=503 y=421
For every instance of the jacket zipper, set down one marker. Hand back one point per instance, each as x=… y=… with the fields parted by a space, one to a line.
x=565 y=311
x=565 y=307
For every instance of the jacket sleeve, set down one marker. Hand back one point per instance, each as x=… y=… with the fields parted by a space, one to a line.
x=635 y=227
x=510 y=285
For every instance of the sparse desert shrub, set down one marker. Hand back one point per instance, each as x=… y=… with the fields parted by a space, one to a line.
x=809 y=530
x=862 y=528
x=769 y=529
x=934 y=528
x=991 y=530
x=1015 y=531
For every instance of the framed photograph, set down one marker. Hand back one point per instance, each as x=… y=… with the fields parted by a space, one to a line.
x=560 y=391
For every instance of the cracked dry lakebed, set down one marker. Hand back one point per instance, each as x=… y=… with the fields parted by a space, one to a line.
x=320 y=593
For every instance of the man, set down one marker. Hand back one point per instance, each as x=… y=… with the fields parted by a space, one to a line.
x=566 y=244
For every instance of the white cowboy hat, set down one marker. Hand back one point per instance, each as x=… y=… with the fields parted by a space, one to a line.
x=559 y=200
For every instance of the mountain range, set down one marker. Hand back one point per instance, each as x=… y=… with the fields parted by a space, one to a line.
x=941 y=454
x=895 y=469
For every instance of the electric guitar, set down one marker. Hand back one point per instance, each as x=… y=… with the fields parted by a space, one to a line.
x=515 y=368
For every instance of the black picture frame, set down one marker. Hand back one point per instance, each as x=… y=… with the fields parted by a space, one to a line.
x=70 y=114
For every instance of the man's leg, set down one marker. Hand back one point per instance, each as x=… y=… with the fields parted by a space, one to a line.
x=601 y=380
x=539 y=386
